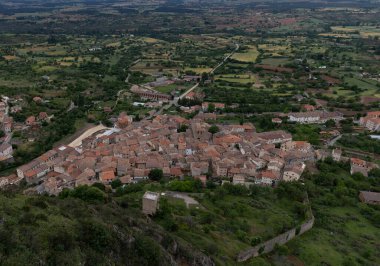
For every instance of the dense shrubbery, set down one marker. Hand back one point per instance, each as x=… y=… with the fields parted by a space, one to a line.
x=53 y=231
x=190 y=185
x=308 y=133
x=334 y=187
x=361 y=142
x=86 y=193
x=250 y=101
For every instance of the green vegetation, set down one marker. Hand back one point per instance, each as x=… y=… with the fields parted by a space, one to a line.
x=233 y=78
x=213 y=129
x=94 y=225
x=70 y=231
x=82 y=60
x=230 y=218
x=308 y=133
x=250 y=55
x=361 y=142
x=155 y=174
x=342 y=222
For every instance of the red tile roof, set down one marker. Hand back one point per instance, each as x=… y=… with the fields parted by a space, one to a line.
x=107 y=175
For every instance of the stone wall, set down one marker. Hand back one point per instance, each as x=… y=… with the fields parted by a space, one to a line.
x=281 y=239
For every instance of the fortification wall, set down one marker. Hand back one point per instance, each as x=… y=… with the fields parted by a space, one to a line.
x=281 y=239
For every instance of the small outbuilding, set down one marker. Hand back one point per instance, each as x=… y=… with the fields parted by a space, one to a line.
x=150 y=203
x=370 y=197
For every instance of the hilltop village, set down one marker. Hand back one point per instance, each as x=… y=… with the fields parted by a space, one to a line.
x=179 y=147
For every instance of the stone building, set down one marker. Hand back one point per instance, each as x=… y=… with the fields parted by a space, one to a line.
x=150 y=203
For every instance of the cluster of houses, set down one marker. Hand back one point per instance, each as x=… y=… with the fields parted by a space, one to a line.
x=165 y=81
x=315 y=117
x=148 y=94
x=356 y=165
x=36 y=120
x=204 y=107
x=237 y=154
x=147 y=91
x=371 y=121
x=361 y=166
x=6 y=124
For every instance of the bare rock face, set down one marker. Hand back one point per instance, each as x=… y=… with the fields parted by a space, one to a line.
x=203 y=260
x=173 y=250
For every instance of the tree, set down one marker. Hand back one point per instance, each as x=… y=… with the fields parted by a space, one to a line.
x=330 y=123
x=204 y=77
x=211 y=108
x=213 y=129
x=156 y=174
x=116 y=183
x=374 y=173
x=347 y=128
x=90 y=194
x=182 y=128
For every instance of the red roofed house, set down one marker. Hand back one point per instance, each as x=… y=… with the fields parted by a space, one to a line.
x=37 y=99
x=30 y=121
x=371 y=121
x=358 y=166
x=228 y=139
x=302 y=146
x=370 y=197
x=203 y=179
x=274 y=137
x=124 y=120
x=6 y=151
x=308 y=108
x=107 y=176
x=374 y=114
x=205 y=105
x=293 y=172
x=176 y=171
x=8 y=124
x=269 y=177
x=43 y=116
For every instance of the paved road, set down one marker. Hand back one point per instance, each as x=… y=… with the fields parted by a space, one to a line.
x=71 y=107
x=225 y=59
x=334 y=140
x=118 y=98
x=183 y=196
x=175 y=100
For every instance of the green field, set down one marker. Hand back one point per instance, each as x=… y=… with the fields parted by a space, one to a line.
x=166 y=89
x=369 y=87
x=249 y=56
x=227 y=220
x=199 y=70
x=275 y=61
x=364 y=31
x=240 y=78
x=348 y=231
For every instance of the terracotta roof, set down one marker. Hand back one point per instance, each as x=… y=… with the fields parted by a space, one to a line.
x=374 y=114
x=269 y=174
x=358 y=161
x=30 y=120
x=107 y=175
x=176 y=171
